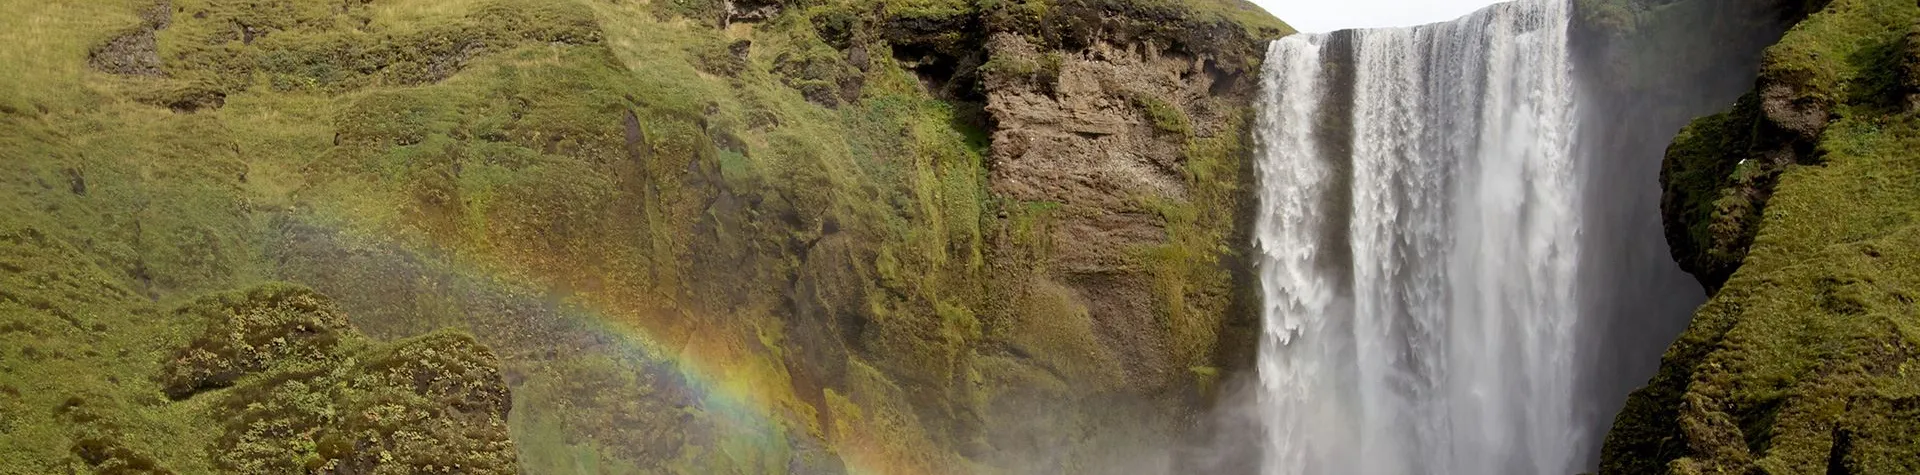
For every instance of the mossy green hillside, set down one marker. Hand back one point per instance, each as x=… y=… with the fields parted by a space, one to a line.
x=1722 y=170
x=1802 y=362
x=309 y=393
x=786 y=194
x=100 y=380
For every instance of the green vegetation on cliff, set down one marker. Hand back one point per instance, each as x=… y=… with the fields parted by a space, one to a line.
x=783 y=207
x=264 y=381
x=1799 y=206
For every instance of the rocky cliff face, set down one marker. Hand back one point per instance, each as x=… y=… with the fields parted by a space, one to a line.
x=1644 y=70
x=1130 y=145
x=1790 y=208
x=811 y=236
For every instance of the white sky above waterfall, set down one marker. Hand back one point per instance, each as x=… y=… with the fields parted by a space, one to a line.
x=1319 y=16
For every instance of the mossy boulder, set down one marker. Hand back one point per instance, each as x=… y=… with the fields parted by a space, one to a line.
x=248 y=332
x=432 y=404
x=298 y=390
x=218 y=49
x=1716 y=180
x=1721 y=170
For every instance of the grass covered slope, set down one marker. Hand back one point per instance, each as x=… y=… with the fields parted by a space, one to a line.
x=701 y=237
x=1805 y=359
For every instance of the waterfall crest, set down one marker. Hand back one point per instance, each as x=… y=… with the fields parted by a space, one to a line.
x=1418 y=243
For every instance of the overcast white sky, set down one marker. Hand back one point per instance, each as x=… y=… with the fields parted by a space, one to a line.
x=1316 y=16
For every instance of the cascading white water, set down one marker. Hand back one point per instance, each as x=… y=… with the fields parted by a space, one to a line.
x=1418 y=247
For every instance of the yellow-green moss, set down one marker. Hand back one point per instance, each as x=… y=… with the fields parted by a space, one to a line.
x=1164 y=116
x=1802 y=362
x=619 y=154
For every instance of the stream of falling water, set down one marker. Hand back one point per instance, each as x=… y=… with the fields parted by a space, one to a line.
x=1418 y=248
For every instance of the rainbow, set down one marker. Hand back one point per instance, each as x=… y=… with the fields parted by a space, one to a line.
x=748 y=397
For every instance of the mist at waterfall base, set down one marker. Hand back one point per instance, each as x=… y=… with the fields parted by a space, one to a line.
x=1383 y=160
x=1458 y=240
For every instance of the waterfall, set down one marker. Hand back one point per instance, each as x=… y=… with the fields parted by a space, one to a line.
x=1418 y=242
